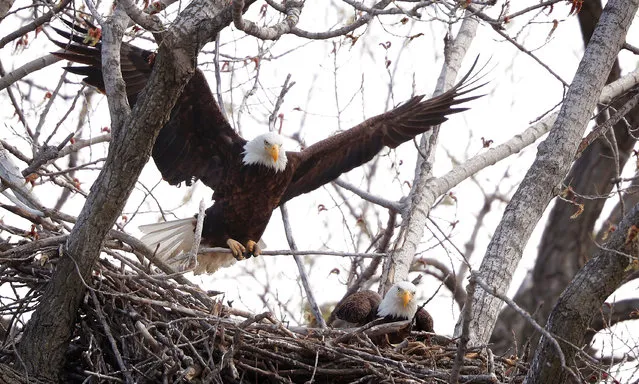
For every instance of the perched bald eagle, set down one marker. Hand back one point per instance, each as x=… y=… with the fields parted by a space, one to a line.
x=398 y=304
x=249 y=178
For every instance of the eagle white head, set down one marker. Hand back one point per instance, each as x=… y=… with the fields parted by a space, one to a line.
x=399 y=301
x=266 y=149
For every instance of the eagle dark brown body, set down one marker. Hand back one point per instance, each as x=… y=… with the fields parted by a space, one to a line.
x=199 y=143
x=362 y=307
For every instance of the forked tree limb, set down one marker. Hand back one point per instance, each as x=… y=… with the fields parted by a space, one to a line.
x=582 y=299
x=396 y=266
x=49 y=330
x=553 y=160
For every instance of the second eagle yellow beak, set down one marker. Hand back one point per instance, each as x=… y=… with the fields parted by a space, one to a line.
x=406 y=297
x=274 y=151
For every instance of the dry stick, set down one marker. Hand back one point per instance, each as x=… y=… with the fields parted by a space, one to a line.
x=45 y=154
x=114 y=345
x=278 y=103
x=192 y=256
x=288 y=252
x=218 y=76
x=388 y=204
x=364 y=19
x=307 y=287
x=27 y=69
x=138 y=246
x=293 y=10
x=155 y=346
x=601 y=129
x=465 y=337
x=492 y=291
x=34 y=24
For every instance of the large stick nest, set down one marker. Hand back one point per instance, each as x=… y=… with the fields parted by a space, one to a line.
x=139 y=326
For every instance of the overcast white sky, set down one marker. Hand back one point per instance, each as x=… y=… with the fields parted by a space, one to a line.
x=519 y=91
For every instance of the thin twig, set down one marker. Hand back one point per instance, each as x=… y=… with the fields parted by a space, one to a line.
x=300 y=266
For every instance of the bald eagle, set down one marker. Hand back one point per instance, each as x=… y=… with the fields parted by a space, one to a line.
x=398 y=304
x=249 y=178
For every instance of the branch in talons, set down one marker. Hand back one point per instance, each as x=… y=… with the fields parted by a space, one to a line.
x=289 y=252
x=293 y=10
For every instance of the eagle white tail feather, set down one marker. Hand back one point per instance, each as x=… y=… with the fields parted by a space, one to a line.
x=169 y=238
x=211 y=262
x=172 y=238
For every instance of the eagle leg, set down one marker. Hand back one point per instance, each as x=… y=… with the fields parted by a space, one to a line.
x=236 y=248
x=252 y=248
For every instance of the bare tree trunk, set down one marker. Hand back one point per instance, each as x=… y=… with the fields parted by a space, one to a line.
x=576 y=307
x=396 y=266
x=563 y=252
x=555 y=155
x=5 y=6
x=9 y=375
x=48 y=332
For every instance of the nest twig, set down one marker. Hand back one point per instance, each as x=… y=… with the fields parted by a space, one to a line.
x=138 y=326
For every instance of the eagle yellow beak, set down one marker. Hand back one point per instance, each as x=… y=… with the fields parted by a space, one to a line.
x=274 y=151
x=406 y=297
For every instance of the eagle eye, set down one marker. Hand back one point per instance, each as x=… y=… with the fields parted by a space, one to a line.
x=266 y=142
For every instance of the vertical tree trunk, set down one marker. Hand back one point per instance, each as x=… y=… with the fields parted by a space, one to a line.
x=563 y=252
x=576 y=307
x=396 y=266
x=49 y=330
x=555 y=155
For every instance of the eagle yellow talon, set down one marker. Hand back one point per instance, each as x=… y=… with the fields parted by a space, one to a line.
x=252 y=248
x=236 y=248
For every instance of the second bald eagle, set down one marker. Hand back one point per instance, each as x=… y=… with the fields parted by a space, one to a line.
x=249 y=178
x=398 y=304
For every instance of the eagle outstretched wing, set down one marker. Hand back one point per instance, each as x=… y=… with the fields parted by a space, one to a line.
x=196 y=142
x=328 y=159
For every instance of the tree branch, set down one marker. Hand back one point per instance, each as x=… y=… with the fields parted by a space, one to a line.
x=584 y=296
x=293 y=10
x=397 y=266
x=49 y=329
x=300 y=267
x=554 y=158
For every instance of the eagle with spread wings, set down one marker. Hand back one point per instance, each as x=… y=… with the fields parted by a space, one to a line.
x=249 y=178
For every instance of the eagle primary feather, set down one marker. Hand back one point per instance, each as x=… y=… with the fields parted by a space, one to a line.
x=198 y=143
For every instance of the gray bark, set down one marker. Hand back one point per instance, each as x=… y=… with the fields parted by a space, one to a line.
x=49 y=330
x=553 y=160
x=396 y=266
x=583 y=298
x=5 y=6
x=562 y=253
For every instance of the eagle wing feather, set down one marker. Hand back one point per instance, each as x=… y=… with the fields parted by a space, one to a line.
x=196 y=142
x=358 y=308
x=328 y=159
